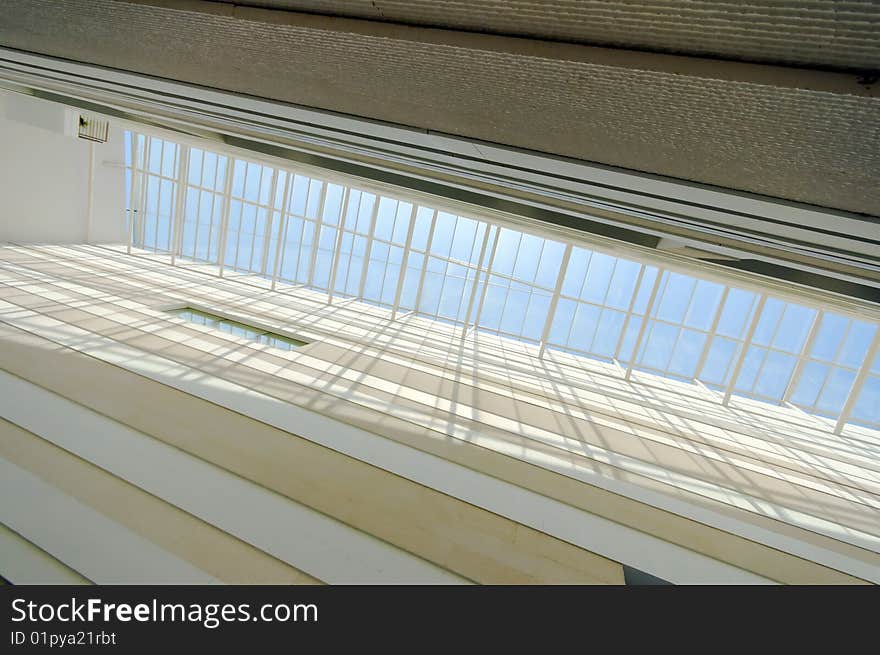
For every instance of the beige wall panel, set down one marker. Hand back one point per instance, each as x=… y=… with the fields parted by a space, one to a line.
x=558 y=376
x=854 y=514
x=86 y=540
x=836 y=502
x=472 y=542
x=122 y=396
x=210 y=549
x=790 y=436
x=22 y=562
x=562 y=420
x=354 y=372
x=491 y=409
x=837 y=448
x=288 y=531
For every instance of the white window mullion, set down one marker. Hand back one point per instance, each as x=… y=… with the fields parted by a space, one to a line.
x=133 y=194
x=425 y=261
x=241 y=206
x=197 y=218
x=856 y=389
x=270 y=219
x=250 y=259
x=212 y=229
x=406 y=250
x=769 y=348
x=177 y=219
x=319 y=221
x=713 y=328
x=643 y=328
x=334 y=266
x=282 y=230
x=476 y=284
x=489 y=274
x=680 y=326
x=158 y=198
x=224 y=221
x=554 y=301
x=747 y=342
x=369 y=249
x=803 y=358
x=142 y=210
x=629 y=312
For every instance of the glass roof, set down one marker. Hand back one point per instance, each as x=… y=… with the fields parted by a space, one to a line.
x=351 y=242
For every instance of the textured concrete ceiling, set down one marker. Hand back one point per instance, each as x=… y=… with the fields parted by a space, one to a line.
x=787 y=133
x=830 y=33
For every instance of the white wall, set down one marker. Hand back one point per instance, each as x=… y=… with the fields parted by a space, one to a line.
x=108 y=210
x=44 y=177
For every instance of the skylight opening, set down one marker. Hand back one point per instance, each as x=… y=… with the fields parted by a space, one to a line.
x=410 y=257
x=237 y=328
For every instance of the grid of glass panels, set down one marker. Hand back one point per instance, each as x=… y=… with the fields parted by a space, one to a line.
x=155 y=194
x=602 y=302
x=680 y=327
x=831 y=365
x=770 y=360
x=300 y=228
x=204 y=206
x=387 y=251
x=733 y=317
x=250 y=198
x=351 y=243
x=450 y=263
x=522 y=277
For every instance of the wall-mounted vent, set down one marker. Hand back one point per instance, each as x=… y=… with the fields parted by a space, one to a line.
x=93 y=129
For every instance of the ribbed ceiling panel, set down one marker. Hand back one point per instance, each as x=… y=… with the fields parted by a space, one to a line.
x=817 y=147
x=813 y=33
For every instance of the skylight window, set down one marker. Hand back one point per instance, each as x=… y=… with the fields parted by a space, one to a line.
x=156 y=187
x=204 y=207
x=837 y=349
x=412 y=257
x=602 y=303
x=236 y=328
